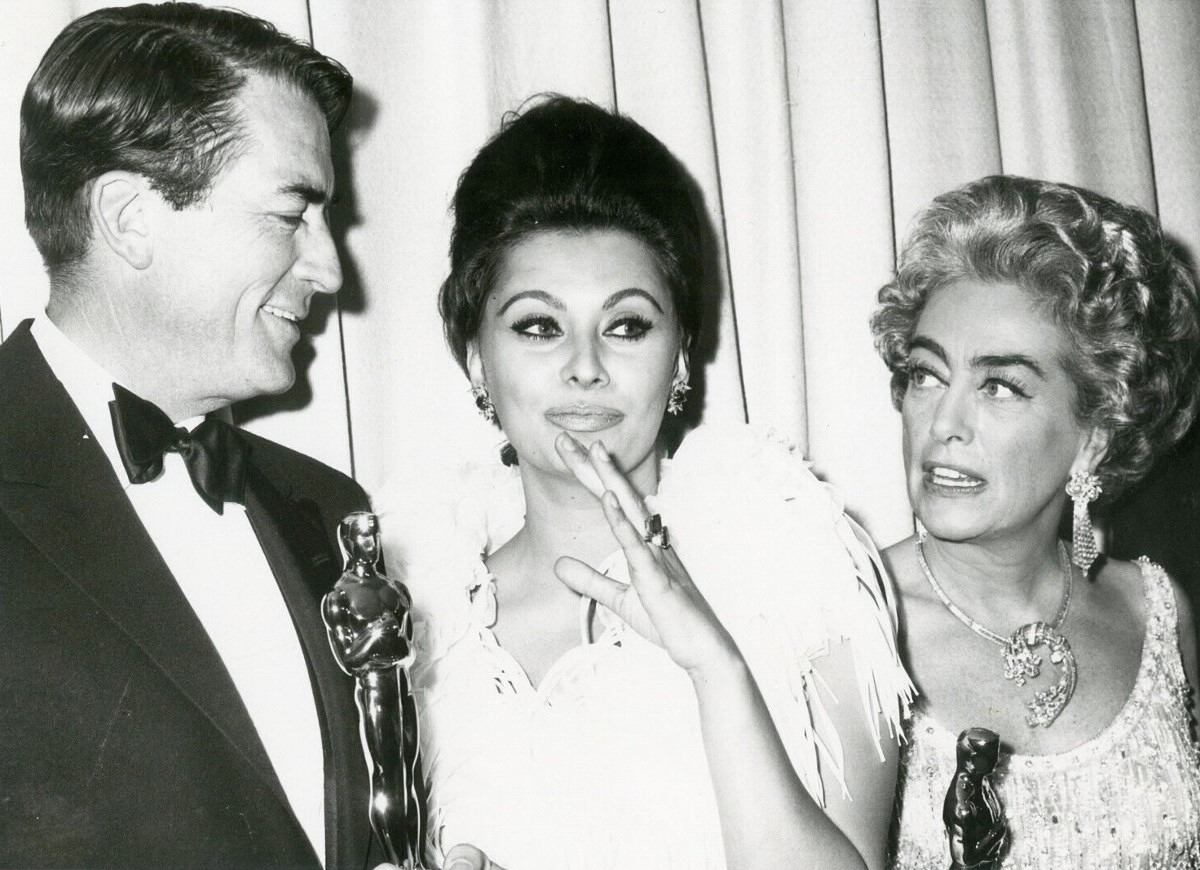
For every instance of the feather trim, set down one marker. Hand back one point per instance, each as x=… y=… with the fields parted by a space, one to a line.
x=769 y=545
x=787 y=573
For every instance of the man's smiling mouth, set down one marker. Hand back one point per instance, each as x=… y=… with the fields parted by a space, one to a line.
x=279 y=312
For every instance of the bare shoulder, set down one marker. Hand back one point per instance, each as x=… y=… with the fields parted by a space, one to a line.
x=1120 y=585
x=1122 y=572
x=900 y=559
x=917 y=609
x=1125 y=579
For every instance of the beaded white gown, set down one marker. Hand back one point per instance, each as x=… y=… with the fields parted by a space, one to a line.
x=602 y=765
x=1127 y=798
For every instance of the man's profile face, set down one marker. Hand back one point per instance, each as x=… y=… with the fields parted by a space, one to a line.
x=239 y=269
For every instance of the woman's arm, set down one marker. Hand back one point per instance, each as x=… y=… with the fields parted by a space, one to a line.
x=871 y=781
x=768 y=819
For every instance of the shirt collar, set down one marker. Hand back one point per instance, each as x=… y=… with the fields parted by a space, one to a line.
x=88 y=384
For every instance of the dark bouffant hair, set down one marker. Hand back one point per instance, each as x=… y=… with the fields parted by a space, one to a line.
x=1101 y=270
x=150 y=89
x=570 y=165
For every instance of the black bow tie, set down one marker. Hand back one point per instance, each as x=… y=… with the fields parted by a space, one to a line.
x=214 y=452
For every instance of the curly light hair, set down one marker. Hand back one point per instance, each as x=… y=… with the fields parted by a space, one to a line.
x=1101 y=270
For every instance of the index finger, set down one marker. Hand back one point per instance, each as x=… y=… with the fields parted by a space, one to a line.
x=614 y=481
x=575 y=456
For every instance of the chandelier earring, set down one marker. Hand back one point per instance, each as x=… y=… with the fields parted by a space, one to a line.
x=1083 y=488
x=483 y=401
x=678 y=397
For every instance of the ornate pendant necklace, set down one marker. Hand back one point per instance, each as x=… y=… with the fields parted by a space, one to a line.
x=1021 y=662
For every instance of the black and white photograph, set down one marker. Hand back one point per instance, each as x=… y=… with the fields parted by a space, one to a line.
x=600 y=434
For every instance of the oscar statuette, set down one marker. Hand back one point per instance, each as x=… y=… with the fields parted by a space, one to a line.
x=370 y=630
x=972 y=812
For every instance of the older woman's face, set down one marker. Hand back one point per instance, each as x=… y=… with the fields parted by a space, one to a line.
x=990 y=436
x=579 y=334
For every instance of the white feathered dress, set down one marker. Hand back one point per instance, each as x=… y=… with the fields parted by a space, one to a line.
x=602 y=765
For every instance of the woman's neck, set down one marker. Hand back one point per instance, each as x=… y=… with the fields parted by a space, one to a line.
x=1012 y=581
x=562 y=518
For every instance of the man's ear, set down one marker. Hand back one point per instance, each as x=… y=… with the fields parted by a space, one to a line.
x=118 y=205
x=475 y=364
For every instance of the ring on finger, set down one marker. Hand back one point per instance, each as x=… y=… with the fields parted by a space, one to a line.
x=656 y=533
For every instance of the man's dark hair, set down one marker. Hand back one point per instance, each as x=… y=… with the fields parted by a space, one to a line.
x=151 y=89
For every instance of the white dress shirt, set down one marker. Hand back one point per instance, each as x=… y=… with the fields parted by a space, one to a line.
x=219 y=564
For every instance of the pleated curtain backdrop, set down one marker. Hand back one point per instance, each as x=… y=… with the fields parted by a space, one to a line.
x=814 y=129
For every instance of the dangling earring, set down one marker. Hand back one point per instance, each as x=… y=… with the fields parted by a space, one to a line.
x=678 y=396
x=1083 y=488
x=483 y=402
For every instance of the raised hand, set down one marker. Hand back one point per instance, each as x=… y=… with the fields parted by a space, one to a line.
x=662 y=603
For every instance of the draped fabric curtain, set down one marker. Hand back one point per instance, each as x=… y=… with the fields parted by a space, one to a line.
x=813 y=128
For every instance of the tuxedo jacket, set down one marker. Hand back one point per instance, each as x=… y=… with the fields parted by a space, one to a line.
x=124 y=740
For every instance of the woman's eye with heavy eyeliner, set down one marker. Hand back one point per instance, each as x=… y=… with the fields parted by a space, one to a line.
x=921 y=376
x=1002 y=388
x=537 y=326
x=630 y=327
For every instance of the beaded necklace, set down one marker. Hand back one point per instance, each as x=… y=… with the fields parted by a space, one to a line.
x=1021 y=663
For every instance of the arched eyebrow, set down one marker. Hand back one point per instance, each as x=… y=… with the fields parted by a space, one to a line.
x=554 y=302
x=991 y=360
x=615 y=299
x=1007 y=360
x=923 y=343
x=540 y=295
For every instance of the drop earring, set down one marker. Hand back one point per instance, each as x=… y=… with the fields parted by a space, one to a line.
x=1083 y=488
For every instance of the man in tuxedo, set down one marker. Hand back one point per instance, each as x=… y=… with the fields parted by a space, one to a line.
x=169 y=695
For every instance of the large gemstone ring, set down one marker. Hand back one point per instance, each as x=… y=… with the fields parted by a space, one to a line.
x=656 y=533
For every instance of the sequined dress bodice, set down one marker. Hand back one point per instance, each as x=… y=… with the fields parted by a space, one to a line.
x=1127 y=798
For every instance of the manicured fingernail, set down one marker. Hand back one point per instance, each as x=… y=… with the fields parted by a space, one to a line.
x=461 y=864
x=572 y=445
x=601 y=452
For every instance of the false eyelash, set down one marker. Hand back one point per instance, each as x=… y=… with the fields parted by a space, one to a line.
x=641 y=324
x=1015 y=384
x=522 y=325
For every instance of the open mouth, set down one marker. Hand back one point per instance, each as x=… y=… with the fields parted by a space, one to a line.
x=281 y=313
x=951 y=478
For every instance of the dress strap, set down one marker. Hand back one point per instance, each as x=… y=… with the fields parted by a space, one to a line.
x=1162 y=629
x=1161 y=614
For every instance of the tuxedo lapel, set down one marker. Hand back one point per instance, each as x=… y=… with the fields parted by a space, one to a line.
x=60 y=491
x=293 y=536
